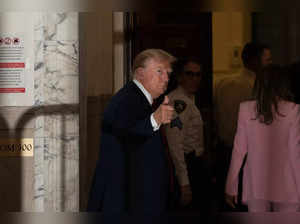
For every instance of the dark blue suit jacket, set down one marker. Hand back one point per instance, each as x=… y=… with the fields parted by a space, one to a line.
x=132 y=171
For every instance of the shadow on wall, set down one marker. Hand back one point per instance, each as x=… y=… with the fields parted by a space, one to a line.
x=14 y=195
x=89 y=157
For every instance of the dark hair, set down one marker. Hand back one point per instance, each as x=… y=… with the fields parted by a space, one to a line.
x=294 y=71
x=271 y=85
x=252 y=51
x=181 y=62
x=178 y=69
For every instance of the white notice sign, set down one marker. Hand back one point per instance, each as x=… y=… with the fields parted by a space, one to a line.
x=12 y=64
x=16 y=59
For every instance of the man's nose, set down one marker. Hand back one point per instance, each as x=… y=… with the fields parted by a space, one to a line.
x=166 y=76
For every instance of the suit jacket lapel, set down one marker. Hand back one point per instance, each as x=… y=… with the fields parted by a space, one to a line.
x=145 y=104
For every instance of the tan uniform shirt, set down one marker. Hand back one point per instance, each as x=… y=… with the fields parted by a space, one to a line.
x=189 y=138
x=228 y=94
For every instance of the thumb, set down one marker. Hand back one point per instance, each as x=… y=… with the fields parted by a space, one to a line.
x=166 y=100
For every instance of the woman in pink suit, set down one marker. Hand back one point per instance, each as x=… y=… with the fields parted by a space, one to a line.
x=268 y=133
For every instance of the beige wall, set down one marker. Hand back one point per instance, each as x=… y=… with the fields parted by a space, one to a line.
x=97 y=55
x=118 y=50
x=104 y=71
x=97 y=84
x=230 y=31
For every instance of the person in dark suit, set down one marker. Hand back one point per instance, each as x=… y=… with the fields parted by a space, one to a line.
x=132 y=173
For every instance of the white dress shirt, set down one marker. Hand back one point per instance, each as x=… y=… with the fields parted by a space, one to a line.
x=150 y=100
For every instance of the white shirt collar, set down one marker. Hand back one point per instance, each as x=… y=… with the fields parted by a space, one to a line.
x=145 y=92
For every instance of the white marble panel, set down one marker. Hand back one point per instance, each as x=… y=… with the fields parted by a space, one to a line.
x=71 y=190
x=50 y=56
x=39 y=25
x=51 y=174
x=61 y=176
x=62 y=125
x=56 y=181
x=67 y=57
x=67 y=29
x=39 y=71
x=51 y=20
x=62 y=57
x=61 y=89
x=39 y=188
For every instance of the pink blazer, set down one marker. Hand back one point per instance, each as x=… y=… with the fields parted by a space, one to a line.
x=272 y=168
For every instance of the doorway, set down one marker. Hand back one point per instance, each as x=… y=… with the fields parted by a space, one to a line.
x=184 y=35
x=187 y=34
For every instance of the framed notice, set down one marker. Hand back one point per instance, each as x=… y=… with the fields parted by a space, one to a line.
x=12 y=64
x=16 y=59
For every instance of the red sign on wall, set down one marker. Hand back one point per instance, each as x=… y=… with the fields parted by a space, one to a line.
x=12 y=65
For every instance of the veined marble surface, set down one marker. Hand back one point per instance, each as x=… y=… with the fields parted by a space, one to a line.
x=56 y=26
x=56 y=137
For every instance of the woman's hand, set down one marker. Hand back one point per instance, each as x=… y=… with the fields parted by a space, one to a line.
x=231 y=200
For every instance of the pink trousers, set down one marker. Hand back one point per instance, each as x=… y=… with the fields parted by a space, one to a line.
x=269 y=206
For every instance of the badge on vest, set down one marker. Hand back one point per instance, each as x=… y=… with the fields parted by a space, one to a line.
x=179 y=106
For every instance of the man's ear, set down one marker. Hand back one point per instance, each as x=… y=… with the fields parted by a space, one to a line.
x=139 y=73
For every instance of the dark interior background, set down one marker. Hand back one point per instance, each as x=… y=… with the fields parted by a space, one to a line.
x=183 y=34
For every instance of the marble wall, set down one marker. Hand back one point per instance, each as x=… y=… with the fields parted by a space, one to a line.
x=56 y=103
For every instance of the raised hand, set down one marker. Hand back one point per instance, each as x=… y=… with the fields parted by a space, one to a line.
x=164 y=113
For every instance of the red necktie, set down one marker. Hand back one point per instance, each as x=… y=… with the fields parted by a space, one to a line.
x=155 y=105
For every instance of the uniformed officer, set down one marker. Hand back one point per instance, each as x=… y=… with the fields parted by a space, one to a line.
x=185 y=133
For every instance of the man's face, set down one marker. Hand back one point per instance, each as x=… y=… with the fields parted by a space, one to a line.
x=191 y=78
x=266 y=57
x=155 y=76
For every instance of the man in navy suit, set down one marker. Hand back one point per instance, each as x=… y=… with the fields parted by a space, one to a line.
x=132 y=172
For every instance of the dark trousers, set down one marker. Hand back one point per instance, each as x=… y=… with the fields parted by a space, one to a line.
x=199 y=178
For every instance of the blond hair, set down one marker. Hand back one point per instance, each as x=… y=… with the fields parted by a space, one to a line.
x=144 y=56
